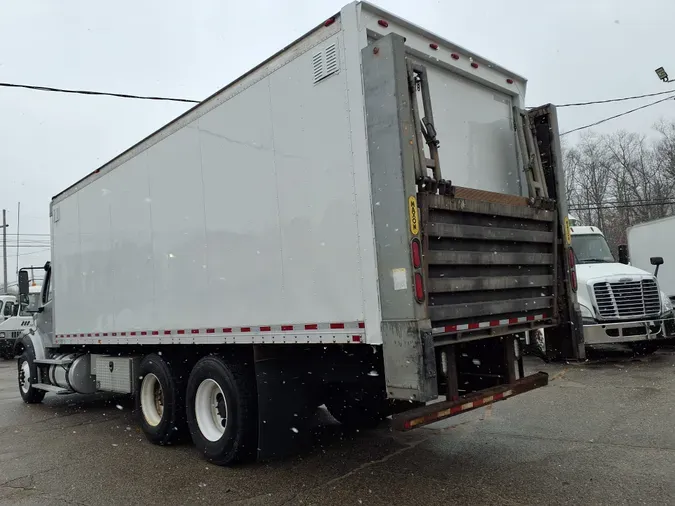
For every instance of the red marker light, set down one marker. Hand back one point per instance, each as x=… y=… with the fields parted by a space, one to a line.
x=419 y=287
x=329 y=21
x=474 y=64
x=454 y=56
x=382 y=22
x=509 y=81
x=416 y=252
x=433 y=46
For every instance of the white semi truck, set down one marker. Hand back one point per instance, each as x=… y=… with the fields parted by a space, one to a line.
x=620 y=303
x=350 y=223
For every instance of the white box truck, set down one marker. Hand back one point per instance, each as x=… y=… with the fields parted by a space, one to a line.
x=347 y=224
x=649 y=241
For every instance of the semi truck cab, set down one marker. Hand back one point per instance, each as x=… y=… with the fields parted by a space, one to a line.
x=620 y=304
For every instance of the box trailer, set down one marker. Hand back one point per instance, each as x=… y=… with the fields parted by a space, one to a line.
x=367 y=220
x=650 y=240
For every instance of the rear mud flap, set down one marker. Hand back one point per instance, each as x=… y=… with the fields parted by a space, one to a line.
x=284 y=404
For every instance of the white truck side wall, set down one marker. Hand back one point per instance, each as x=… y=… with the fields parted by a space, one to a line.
x=655 y=239
x=244 y=217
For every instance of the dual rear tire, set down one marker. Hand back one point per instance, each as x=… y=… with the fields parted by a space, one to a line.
x=216 y=405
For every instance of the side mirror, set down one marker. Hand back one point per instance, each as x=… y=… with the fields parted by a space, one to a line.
x=623 y=254
x=658 y=262
x=23 y=287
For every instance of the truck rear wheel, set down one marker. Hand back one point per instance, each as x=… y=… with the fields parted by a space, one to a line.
x=221 y=410
x=28 y=376
x=161 y=400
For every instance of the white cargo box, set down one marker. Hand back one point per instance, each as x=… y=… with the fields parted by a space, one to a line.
x=249 y=219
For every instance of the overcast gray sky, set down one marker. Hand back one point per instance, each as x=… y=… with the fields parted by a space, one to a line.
x=569 y=51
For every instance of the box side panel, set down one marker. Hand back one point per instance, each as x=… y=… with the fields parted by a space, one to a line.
x=655 y=239
x=245 y=217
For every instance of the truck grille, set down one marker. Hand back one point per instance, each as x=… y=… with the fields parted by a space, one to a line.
x=628 y=299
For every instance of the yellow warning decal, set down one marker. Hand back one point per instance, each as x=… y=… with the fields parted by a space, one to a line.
x=568 y=234
x=414 y=216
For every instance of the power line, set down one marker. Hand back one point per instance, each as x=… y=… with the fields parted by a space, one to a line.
x=619 y=206
x=610 y=100
x=99 y=93
x=618 y=115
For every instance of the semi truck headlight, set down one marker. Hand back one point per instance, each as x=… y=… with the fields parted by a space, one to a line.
x=665 y=302
x=586 y=312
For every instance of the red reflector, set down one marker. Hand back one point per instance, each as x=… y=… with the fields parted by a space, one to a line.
x=509 y=81
x=329 y=21
x=210 y=331
x=494 y=323
x=337 y=325
x=130 y=333
x=97 y=334
x=474 y=64
x=454 y=56
x=227 y=331
x=195 y=331
x=416 y=250
x=105 y=334
x=433 y=46
x=180 y=332
x=114 y=333
x=513 y=320
x=573 y=270
x=246 y=329
x=287 y=327
x=530 y=318
x=474 y=326
x=265 y=329
x=356 y=339
x=450 y=328
x=311 y=326
x=362 y=325
x=167 y=332
x=419 y=287
x=382 y=22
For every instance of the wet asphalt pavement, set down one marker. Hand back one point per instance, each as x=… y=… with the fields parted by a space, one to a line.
x=600 y=433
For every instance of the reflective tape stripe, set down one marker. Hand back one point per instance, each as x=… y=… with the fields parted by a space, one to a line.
x=492 y=323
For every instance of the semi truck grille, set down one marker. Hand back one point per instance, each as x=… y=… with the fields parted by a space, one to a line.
x=629 y=299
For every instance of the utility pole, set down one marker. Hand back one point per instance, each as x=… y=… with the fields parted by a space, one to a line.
x=4 y=247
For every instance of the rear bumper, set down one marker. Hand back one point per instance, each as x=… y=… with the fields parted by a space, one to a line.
x=431 y=413
x=629 y=332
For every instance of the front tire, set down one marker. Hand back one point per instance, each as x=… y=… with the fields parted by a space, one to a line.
x=221 y=410
x=161 y=400
x=27 y=377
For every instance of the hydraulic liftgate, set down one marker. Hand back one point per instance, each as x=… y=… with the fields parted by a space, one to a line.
x=494 y=265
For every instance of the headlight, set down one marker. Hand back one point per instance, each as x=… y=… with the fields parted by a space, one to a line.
x=665 y=302
x=2 y=334
x=585 y=312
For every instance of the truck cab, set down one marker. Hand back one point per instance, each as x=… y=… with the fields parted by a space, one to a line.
x=620 y=304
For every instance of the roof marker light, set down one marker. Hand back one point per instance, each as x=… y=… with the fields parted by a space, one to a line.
x=382 y=22
x=454 y=56
x=433 y=46
x=474 y=64
x=329 y=21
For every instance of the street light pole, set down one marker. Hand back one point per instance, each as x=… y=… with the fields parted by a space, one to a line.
x=4 y=247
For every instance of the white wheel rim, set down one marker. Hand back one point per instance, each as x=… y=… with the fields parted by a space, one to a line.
x=24 y=380
x=211 y=410
x=152 y=400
